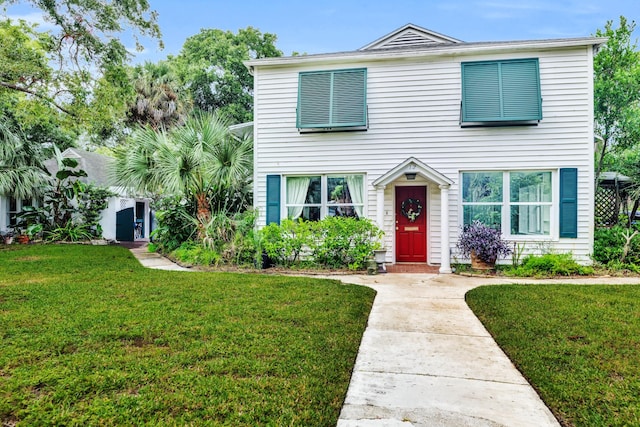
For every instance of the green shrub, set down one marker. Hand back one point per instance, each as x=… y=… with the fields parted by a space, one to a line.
x=193 y=253
x=283 y=243
x=334 y=242
x=608 y=247
x=174 y=223
x=344 y=242
x=243 y=247
x=70 y=232
x=549 y=265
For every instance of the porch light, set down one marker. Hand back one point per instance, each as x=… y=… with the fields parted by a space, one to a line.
x=411 y=176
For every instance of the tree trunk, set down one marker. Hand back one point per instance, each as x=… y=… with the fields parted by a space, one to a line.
x=632 y=214
x=627 y=245
x=600 y=160
x=203 y=214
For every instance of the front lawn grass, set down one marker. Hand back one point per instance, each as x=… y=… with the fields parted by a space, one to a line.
x=89 y=337
x=579 y=346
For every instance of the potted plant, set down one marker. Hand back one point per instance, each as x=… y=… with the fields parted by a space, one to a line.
x=483 y=244
x=22 y=238
x=34 y=231
x=379 y=256
x=30 y=224
x=7 y=237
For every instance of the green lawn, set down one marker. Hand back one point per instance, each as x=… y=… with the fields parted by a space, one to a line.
x=89 y=337
x=579 y=346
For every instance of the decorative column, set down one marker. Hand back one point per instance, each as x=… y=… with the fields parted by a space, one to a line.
x=380 y=206
x=445 y=254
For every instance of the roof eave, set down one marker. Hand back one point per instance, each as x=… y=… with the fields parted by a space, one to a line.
x=457 y=49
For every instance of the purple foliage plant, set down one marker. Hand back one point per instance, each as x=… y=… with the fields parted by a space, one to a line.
x=484 y=241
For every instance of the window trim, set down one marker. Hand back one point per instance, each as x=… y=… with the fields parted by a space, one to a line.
x=505 y=204
x=19 y=209
x=332 y=126
x=324 y=190
x=502 y=120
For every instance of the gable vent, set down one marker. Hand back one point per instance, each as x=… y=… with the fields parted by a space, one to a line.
x=409 y=39
x=410 y=36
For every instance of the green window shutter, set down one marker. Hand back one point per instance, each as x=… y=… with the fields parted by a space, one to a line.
x=349 y=98
x=501 y=91
x=332 y=99
x=569 y=202
x=314 y=99
x=480 y=92
x=273 y=199
x=521 y=90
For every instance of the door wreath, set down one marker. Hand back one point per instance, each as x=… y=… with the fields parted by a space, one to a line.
x=411 y=209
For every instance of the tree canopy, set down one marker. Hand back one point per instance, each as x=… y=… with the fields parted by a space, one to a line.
x=210 y=65
x=159 y=99
x=87 y=30
x=73 y=73
x=616 y=92
x=22 y=173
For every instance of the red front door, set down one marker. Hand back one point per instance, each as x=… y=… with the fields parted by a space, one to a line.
x=411 y=224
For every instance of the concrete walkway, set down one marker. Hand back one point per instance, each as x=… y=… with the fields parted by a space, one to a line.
x=426 y=360
x=152 y=259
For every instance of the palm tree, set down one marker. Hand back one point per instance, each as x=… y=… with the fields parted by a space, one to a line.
x=22 y=174
x=196 y=160
x=158 y=100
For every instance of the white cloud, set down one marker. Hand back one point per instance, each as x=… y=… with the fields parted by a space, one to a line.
x=33 y=18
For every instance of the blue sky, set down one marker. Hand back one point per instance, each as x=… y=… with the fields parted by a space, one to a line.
x=323 y=26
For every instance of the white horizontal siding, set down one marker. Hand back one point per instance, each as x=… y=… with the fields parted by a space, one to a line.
x=414 y=110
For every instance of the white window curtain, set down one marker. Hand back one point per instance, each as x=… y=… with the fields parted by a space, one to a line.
x=297 y=188
x=356 y=189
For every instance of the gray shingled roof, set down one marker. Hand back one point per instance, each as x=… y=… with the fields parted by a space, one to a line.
x=95 y=165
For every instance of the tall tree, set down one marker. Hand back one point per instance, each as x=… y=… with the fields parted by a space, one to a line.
x=616 y=91
x=210 y=65
x=110 y=100
x=627 y=162
x=63 y=67
x=196 y=160
x=22 y=173
x=87 y=30
x=158 y=100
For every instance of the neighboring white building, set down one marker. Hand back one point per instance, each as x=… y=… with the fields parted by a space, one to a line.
x=423 y=133
x=122 y=212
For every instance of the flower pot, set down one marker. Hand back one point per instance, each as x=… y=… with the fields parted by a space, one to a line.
x=379 y=256
x=478 y=264
x=23 y=239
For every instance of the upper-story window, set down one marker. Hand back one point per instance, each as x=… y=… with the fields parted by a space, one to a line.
x=498 y=93
x=332 y=100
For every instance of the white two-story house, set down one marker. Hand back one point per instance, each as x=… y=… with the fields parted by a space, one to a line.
x=423 y=133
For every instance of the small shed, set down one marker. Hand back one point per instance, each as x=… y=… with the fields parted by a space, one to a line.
x=127 y=217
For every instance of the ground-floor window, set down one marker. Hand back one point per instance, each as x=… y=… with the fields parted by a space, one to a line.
x=317 y=196
x=16 y=206
x=515 y=202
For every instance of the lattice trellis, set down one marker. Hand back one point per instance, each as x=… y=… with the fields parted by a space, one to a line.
x=607 y=207
x=125 y=203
